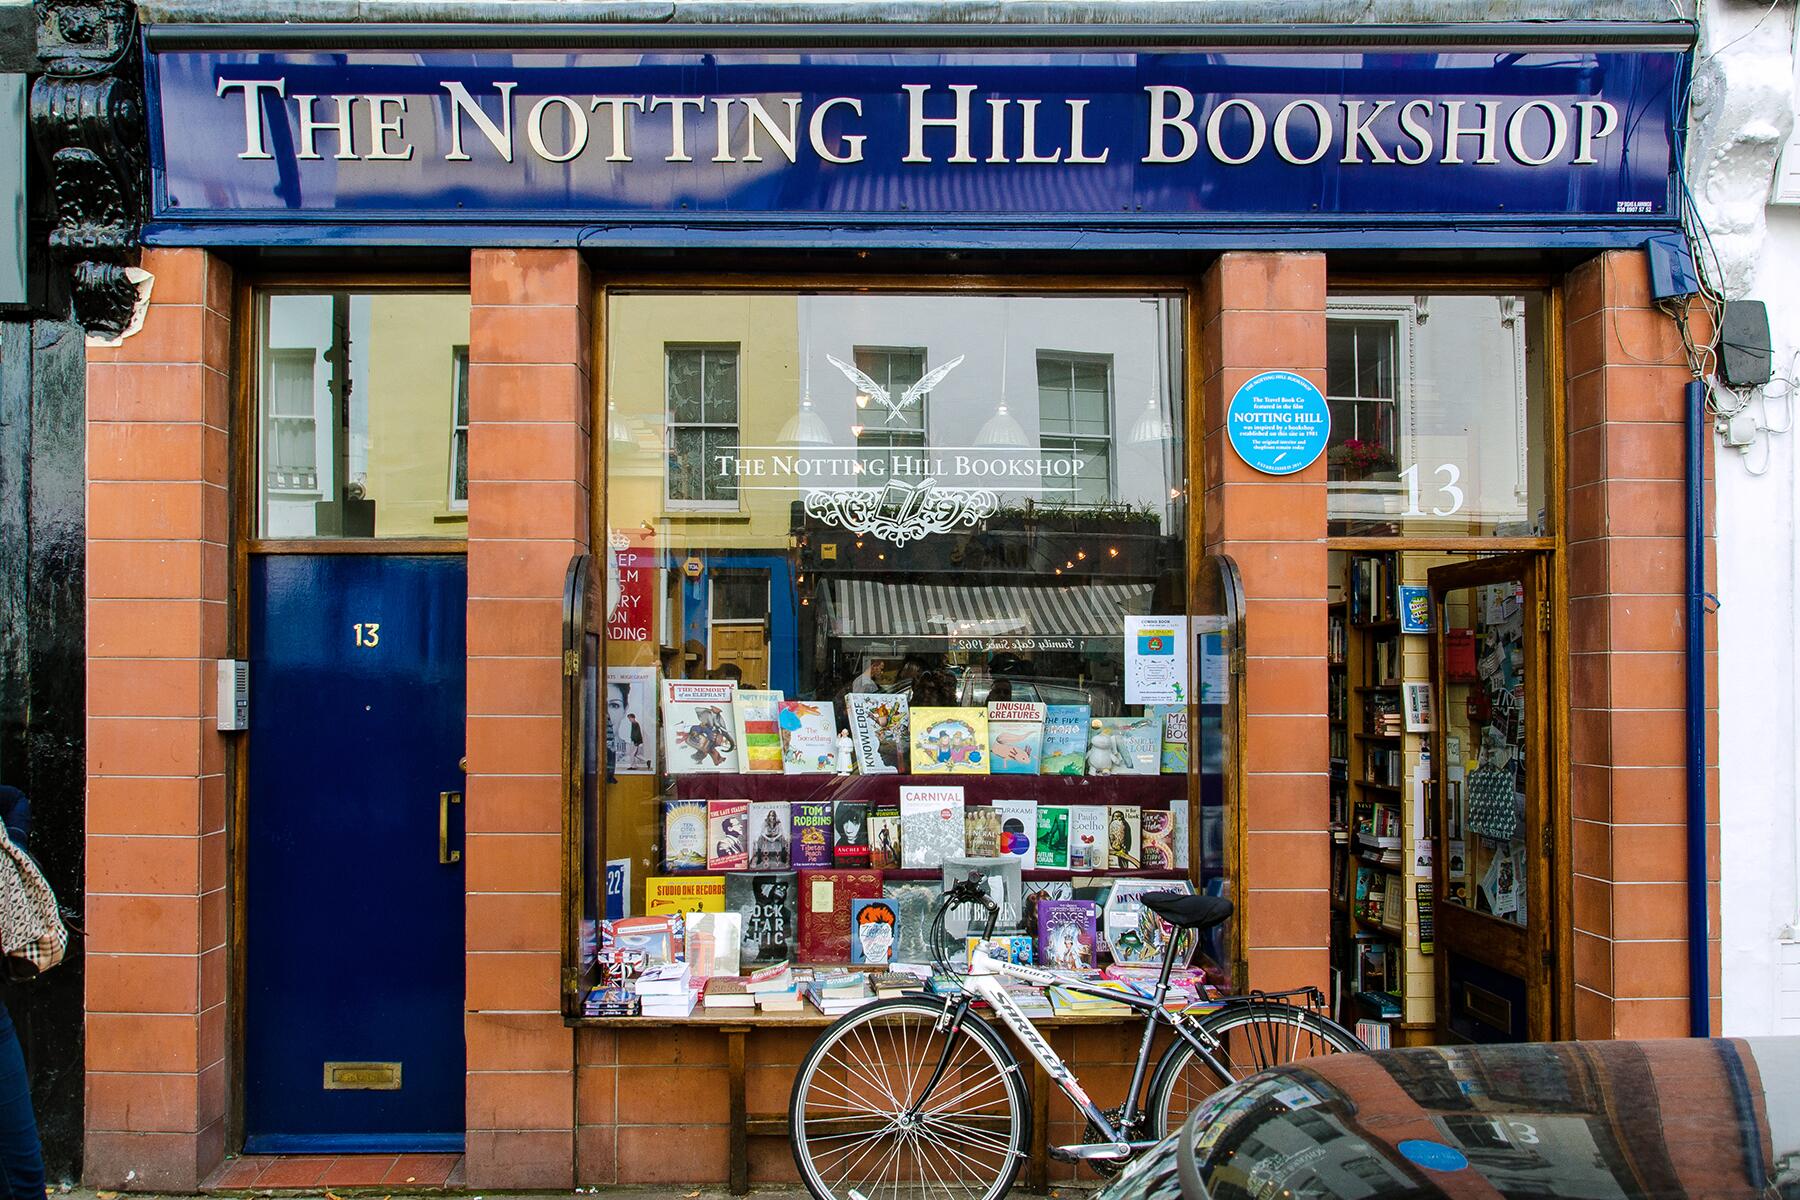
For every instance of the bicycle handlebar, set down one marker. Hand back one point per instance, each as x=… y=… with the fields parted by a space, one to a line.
x=972 y=890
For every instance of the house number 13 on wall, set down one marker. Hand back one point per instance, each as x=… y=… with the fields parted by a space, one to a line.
x=368 y=636
x=1448 y=489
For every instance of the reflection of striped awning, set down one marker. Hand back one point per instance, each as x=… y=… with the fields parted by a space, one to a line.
x=865 y=608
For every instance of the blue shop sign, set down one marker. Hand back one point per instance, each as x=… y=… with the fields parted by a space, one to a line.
x=1278 y=423
x=1578 y=142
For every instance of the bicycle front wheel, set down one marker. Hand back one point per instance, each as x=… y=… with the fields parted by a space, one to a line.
x=874 y=1118
x=1247 y=1037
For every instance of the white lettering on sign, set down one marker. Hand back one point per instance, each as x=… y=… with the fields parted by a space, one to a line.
x=941 y=127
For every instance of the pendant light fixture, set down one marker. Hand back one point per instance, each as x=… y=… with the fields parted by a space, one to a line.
x=806 y=427
x=1153 y=424
x=1002 y=432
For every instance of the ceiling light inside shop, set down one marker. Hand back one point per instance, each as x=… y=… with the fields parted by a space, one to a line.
x=806 y=427
x=1152 y=425
x=1001 y=431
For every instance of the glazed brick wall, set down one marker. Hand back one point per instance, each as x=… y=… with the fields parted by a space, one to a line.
x=1626 y=634
x=1261 y=312
x=158 y=533
x=529 y=344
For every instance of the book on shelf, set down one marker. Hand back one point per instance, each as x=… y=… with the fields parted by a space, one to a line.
x=1174 y=718
x=1124 y=836
x=878 y=731
x=676 y=1004
x=769 y=903
x=1125 y=746
x=757 y=715
x=1393 y=903
x=1018 y=830
x=872 y=925
x=1376 y=1035
x=1158 y=846
x=981 y=830
x=810 y=844
x=1052 y=835
x=1087 y=837
x=931 y=824
x=1337 y=641
x=1373 y=593
x=1004 y=887
x=728 y=991
x=1065 y=739
x=684 y=835
x=825 y=897
x=726 y=848
x=1382 y=715
x=683 y=894
x=667 y=979
x=949 y=741
x=699 y=728
x=1067 y=933
x=808 y=737
x=1066 y=1001
x=1015 y=737
x=884 y=835
x=771 y=835
x=850 y=833
x=1384 y=765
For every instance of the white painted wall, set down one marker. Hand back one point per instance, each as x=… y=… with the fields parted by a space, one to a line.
x=1743 y=101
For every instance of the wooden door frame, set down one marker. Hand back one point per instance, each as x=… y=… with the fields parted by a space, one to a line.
x=1544 y=966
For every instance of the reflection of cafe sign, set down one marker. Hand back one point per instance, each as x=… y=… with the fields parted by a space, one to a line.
x=902 y=512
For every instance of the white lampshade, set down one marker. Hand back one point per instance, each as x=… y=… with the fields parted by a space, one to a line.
x=806 y=427
x=1001 y=431
x=1152 y=425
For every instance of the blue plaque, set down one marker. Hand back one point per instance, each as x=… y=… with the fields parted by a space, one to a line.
x=1278 y=423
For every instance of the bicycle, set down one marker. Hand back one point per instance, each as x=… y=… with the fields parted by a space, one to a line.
x=919 y=1096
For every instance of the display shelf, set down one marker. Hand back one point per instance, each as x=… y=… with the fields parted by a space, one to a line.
x=1155 y=791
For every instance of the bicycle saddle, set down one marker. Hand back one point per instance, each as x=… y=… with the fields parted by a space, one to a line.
x=1189 y=912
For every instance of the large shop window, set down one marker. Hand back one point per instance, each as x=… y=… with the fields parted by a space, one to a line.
x=363 y=414
x=895 y=586
x=1439 y=405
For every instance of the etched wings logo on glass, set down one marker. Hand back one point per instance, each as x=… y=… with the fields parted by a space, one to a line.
x=896 y=407
x=902 y=512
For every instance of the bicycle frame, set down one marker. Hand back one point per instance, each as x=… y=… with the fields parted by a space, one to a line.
x=985 y=981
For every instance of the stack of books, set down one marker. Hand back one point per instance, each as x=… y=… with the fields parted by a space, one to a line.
x=1066 y=1002
x=895 y=983
x=610 y=1002
x=728 y=991
x=774 y=988
x=667 y=991
x=838 y=992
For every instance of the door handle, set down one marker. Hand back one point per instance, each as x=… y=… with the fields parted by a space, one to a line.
x=445 y=854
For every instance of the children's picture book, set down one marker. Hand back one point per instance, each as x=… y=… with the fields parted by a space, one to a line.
x=915 y=904
x=1125 y=746
x=825 y=899
x=715 y=941
x=1174 y=719
x=949 y=741
x=769 y=903
x=1133 y=933
x=699 y=731
x=878 y=731
x=1018 y=830
x=1052 y=835
x=808 y=738
x=770 y=835
x=1066 y=933
x=810 y=845
x=981 y=831
x=1015 y=737
x=1087 y=837
x=684 y=835
x=850 y=833
x=726 y=848
x=683 y=894
x=1065 y=739
x=631 y=720
x=1124 y=837
x=884 y=835
x=872 y=927
x=1004 y=887
x=1015 y=948
x=1158 y=848
x=931 y=825
x=758 y=714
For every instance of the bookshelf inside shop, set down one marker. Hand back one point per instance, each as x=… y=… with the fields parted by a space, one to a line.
x=1382 y=982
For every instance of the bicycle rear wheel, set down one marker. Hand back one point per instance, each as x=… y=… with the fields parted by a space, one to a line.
x=865 y=1127
x=1248 y=1036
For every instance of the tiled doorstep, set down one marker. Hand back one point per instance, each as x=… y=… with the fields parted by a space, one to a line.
x=396 y=1172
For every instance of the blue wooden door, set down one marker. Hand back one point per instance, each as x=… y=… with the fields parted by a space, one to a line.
x=354 y=923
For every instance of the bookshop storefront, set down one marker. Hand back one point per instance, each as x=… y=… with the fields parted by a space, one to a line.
x=685 y=500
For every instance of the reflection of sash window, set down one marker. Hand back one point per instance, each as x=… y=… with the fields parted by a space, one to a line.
x=701 y=384
x=1075 y=423
x=293 y=437
x=459 y=430
x=896 y=440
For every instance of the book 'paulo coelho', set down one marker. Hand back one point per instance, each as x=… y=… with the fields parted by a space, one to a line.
x=699 y=730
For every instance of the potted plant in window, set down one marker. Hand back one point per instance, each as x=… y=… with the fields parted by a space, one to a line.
x=1355 y=459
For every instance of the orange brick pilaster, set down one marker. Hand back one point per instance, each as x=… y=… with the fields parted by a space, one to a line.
x=529 y=339
x=1264 y=312
x=158 y=537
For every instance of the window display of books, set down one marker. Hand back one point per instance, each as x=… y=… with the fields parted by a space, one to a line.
x=798 y=858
